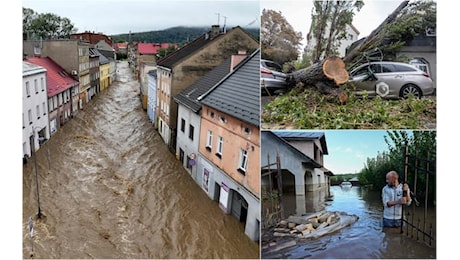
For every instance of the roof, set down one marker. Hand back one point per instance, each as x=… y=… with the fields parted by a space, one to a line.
x=93 y=52
x=189 y=96
x=306 y=159
x=102 y=58
x=303 y=135
x=57 y=79
x=238 y=95
x=151 y=48
x=31 y=69
x=170 y=60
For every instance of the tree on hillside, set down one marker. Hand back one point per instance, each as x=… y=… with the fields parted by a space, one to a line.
x=328 y=27
x=46 y=26
x=279 y=41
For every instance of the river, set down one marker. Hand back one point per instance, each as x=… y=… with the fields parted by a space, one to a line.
x=364 y=239
x=110 y=188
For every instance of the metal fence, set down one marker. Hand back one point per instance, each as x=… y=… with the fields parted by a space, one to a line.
x=418 y=225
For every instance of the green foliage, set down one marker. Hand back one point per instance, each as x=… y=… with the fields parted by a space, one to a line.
x=309 y=109
x=46 y=26
x=344 y=177
x=279 y=41
x=329 y=23
x=421 y=144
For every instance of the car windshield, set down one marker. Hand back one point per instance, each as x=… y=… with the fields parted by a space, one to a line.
x=272 y=66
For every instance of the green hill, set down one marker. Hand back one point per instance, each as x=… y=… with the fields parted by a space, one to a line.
x=179 y=35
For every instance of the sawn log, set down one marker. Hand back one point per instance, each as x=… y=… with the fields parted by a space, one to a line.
x=325 y=75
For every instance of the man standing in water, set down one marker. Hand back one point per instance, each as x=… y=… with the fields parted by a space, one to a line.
x=394 y=196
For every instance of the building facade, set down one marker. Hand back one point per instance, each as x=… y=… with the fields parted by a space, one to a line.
x=35 y=123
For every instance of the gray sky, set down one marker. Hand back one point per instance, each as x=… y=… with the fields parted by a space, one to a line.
x=122 y=16
x=298 y=14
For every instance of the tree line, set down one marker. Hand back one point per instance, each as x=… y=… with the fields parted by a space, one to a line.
x=420 y=145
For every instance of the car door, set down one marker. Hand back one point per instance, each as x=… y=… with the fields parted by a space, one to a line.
x=392 y=77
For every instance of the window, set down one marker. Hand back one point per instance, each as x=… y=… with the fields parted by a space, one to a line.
x=182 y=125
x=30 y=116
x=181 y=156
x=35 y=86
x=243 y=161
x=44 y=108
x=220 y=146
x=42 y=84
x=190 y=132
x=38 y=112
x=209 y=141
x=27 y=89
x=23 y=123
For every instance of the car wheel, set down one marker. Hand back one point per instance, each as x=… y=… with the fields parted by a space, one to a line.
x=409 y=89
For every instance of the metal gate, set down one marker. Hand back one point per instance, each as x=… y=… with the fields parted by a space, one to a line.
x=418 y=226
x=272 y=206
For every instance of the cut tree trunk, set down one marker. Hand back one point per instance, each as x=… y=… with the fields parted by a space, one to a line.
x=325 y=75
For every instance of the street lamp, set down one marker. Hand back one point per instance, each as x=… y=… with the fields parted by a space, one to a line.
x=39 y=214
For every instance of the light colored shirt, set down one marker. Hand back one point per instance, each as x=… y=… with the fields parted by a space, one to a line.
x=392 y=194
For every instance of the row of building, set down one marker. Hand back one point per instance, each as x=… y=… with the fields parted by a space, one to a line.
x=203 y=99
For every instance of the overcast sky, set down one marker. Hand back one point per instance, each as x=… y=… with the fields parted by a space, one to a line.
x=121 y=16
x=298 y=14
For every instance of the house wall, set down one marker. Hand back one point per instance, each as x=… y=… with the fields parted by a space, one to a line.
x=184 y=143
x=235 y=139
x=104 y=71
x=144 y=69
x=428 y=53
x=291 y=162
x=152 y=98
x=38 y=123
x=163 y=86
x=196 y=65
x=311 y=148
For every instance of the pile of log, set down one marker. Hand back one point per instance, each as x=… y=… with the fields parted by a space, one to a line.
x=314 y=225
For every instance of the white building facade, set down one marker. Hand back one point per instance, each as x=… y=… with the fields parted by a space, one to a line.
x=35 y=120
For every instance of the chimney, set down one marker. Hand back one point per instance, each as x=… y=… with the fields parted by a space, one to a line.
x=237 y=58
x=215 y=30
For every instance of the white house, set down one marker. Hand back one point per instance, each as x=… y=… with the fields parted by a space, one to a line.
x=152 y=96
x=35 y=122
x=351 y=36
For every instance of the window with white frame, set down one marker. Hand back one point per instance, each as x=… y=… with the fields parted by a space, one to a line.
x=243 y=161
x=209 y=140
x=191 y=132
x=220 y=146
x=36 y=86
x=182 y=125
x=27 y=89
x=44 y=108
x=30 y=116
x=42 y=84
x=38 y=112
x=23 y=123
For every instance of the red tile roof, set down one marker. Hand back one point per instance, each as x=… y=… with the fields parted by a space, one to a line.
x=121 y=45
x=151 y=48
x=57 y=79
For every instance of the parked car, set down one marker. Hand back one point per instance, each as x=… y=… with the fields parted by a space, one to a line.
x=346 y=184
x=391 y=80
x=272 y=77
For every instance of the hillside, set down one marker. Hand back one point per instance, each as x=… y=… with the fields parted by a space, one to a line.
x=178 y=35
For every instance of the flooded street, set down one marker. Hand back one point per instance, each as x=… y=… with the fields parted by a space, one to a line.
x=363 y=239
x=110 y=188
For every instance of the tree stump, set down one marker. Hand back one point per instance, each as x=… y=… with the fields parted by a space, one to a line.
x=325 y=75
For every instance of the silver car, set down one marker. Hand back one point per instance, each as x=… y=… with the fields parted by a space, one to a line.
x=272 y=77
x=391 y=80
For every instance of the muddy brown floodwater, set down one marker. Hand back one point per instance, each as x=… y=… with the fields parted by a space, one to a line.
x=110 y=188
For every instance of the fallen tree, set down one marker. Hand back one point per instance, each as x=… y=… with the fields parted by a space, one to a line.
x=325 y=75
